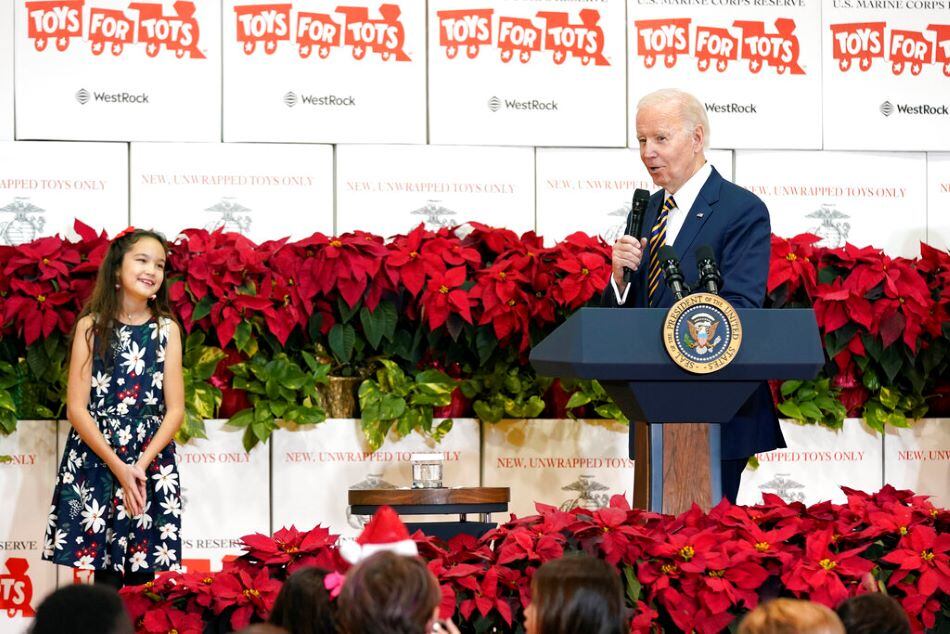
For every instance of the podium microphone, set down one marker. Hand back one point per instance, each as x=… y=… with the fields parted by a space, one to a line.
x=672 y=274
x=635 y=222
x=710 y=280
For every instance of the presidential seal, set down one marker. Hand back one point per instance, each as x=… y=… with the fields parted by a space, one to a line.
x=702 y=333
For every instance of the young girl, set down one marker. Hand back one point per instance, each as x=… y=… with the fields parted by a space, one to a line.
x=116 y=508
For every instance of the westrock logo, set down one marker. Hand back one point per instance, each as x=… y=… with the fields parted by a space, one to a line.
x=83 y=96
x=862 y=42
x=62 y=20
x=495 y=104
x=717 y=46
x=887 y=109
x=270 y=24
x=291 y=99
x=472 y=29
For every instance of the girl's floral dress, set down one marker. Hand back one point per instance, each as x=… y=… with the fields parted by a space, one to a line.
x=88 y=527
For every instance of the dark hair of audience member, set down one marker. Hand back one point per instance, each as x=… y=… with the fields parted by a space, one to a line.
x=264 y=628
x=303 y=604
x=82 y=609
x=576 y=593
x=791 y=616
x=388 y=593
x=873 y=613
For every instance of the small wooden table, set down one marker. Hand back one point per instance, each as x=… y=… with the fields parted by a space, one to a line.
x=464 y=501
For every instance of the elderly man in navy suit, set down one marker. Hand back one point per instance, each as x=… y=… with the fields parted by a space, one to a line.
x=696 y=206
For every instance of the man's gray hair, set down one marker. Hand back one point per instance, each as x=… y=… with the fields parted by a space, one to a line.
x=692 y=111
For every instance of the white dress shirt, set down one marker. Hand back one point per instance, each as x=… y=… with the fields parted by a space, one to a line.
x=684 y=198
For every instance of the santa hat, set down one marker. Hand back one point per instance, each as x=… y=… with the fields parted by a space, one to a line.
x=385 y=531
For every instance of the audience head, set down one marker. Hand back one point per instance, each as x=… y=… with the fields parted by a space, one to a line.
x=303 y=604
x=576 y=593
x=265 y=628
x=873 y=613
x=388 y=593
x=82 y=609
x=791 y=616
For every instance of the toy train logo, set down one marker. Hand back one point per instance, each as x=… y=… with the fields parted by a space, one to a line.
x=146 y=23
x=268 y=25
x=16 y=589
x=860 y=43
x=715 y=47
x=471 y=30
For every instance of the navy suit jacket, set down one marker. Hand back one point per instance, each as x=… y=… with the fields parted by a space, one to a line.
x=735 y=223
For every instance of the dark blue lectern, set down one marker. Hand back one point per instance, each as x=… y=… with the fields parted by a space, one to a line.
x=623 y=349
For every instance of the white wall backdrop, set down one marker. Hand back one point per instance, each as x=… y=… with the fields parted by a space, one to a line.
x=217 y=474
x=261 y=191
x=46 y=185
x=6 y=70
x=563 y=463
x=534 y=73
x=391 y=189
x=727 y=55
x=114 y=71
x=816 y=463
x=26 y=484
x=308 y=458
x=938 y=200
x=527 y=73
x=865 y=198
x=886 y=74
x=320 y=72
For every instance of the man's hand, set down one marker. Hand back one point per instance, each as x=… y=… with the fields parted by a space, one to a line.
x=628 y=252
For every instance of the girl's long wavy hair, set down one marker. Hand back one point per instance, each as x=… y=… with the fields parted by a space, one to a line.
x=103 y=303
x=578 y=593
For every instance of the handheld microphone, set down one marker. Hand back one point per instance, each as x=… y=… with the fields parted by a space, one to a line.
x=635 y=221
x=672 y=274
x=710 y=280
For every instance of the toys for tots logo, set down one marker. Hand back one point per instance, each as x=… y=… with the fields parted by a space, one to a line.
x=716 y=46
x=143 y=23
x=860 y=43
x=353 y=27
x=554 y=31
x=16 y=589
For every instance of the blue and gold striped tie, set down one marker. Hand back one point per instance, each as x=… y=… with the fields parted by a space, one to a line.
x=657 y=240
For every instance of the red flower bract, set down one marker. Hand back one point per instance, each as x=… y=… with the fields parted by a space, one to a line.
x=822 y=574
x=251 y=595
x=443 y=296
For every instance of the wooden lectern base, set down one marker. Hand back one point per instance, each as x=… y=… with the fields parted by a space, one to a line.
x=686 y=467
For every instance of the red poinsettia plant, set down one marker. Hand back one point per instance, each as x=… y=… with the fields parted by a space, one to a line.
x=470 y=302
x=693 y=572
x=242 y=592
x=45 y=283
x=884 y=325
